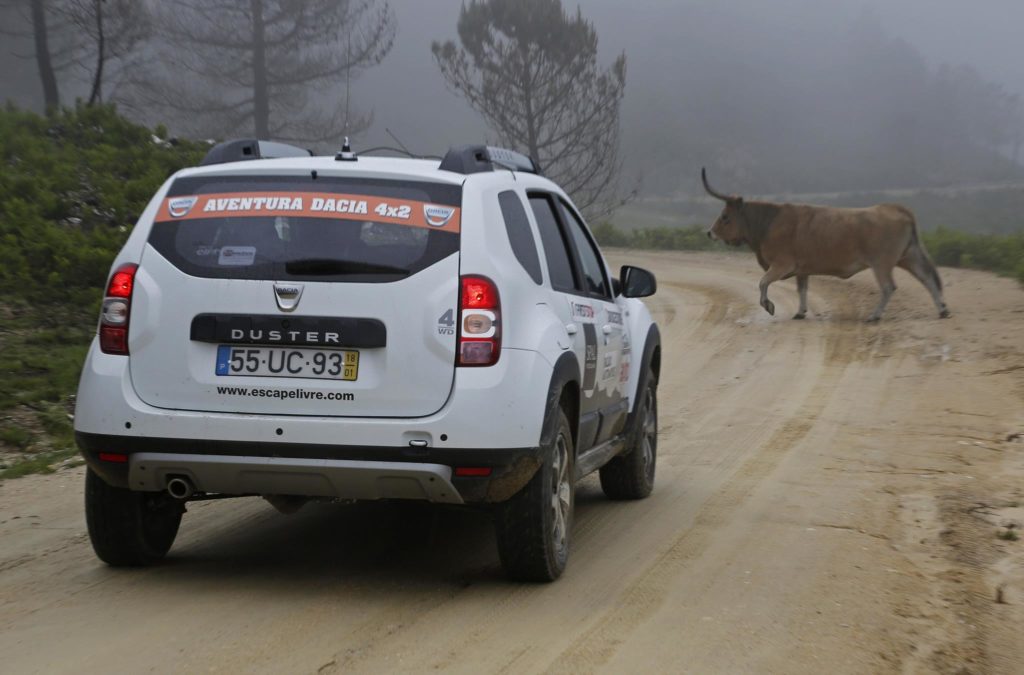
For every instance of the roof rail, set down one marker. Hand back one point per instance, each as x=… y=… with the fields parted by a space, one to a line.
x=241 y=149
x=468 y=159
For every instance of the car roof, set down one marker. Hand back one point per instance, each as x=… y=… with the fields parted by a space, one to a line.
x=383 y=167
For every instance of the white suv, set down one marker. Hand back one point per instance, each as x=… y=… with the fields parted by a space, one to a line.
x=346 y=327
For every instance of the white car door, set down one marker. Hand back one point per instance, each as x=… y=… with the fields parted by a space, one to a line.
x=582 y=298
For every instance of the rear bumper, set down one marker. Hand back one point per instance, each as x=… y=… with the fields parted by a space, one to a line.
x=337 y=478
x=332 y=471
x=493 y=419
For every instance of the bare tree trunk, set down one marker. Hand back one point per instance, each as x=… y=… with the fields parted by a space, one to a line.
x=96 y=95
x=531 y=121
x=51 y=96
x=261 y=97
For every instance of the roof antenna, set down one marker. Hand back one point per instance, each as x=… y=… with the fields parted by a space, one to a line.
x=346 y=154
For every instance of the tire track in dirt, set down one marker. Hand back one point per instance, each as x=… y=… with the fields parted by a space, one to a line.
x=642 y=598
x=698 y=323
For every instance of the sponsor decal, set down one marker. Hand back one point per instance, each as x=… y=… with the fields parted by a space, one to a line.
x=220 y=205
x=329 y=205
x=312 y=205
x=180 y=206
x=615 y=317
x=589 y=359
x=237 y=256
x=437 y=216
x=283 y=394
x=580 y=310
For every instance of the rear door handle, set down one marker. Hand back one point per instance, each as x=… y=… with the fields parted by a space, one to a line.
x=606 y=329
x=571 y=328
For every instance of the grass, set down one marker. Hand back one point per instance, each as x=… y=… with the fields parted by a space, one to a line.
x=1002 y=254
x=17 y=437
x=41 y=353
x=690 y=238
x=987 y=211
x=1008 y=535
x=38 y=463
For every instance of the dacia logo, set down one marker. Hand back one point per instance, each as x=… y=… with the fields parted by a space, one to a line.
x=437 y=216
x=180 y=206
x=287 y=296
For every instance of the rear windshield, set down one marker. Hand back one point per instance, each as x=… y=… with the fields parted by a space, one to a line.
x=305 y=228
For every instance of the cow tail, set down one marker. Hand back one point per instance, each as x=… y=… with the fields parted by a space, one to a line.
x=915 y=243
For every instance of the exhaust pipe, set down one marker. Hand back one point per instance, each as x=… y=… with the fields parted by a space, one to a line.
x=180 y=487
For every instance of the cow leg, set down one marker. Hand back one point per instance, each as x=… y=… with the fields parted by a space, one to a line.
x=887 y=286
x=801 y=287
x=924 y=271
x=774 y=273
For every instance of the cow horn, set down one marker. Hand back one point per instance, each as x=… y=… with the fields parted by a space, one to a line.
x=710 y=190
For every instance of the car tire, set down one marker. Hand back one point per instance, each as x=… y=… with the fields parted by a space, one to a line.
x=129 y=528
x=631 y=474
x=533 y=527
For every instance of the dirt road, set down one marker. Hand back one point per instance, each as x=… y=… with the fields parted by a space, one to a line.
x=828 y=499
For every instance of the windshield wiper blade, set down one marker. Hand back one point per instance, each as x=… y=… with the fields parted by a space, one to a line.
x=329 y=266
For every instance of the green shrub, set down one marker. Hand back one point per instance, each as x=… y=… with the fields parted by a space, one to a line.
x=16 y=437
x=691 y=238
x=71 y=186
x=1002 y=254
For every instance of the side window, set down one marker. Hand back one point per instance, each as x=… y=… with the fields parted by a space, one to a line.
x=519 y=234
x=555 y=250
x=590 y=259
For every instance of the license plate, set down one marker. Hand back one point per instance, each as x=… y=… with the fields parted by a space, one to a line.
x=323 y=364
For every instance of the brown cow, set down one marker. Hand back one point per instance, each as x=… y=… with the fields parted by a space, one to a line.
x=801 y=240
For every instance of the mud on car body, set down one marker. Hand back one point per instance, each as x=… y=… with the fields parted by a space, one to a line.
x=300 y=327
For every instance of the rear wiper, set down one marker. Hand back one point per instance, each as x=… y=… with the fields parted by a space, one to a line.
x=328 y=266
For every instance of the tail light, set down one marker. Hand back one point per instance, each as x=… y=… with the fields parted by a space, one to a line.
x=479 y=322
x=117 y=307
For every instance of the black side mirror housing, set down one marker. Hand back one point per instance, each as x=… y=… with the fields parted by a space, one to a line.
x=637 y=282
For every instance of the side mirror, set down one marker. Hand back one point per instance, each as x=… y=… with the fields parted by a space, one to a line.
x=637 y=282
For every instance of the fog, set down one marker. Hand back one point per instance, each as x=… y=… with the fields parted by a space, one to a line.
x=781 y=96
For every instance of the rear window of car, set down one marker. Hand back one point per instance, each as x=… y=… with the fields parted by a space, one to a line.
x=305 y=228
x=519 y=235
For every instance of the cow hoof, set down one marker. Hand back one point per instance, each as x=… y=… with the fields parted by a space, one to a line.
x=944 y=314
x=799 y=315
x=769 y=307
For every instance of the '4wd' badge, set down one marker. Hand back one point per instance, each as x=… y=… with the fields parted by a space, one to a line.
x=436 y=215
x=180 y=206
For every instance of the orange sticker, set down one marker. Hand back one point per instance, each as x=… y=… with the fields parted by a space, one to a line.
x=312 y=205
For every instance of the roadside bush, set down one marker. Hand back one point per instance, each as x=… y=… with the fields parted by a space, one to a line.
x=71 y=186
x=690 y=238
x=1002 y=254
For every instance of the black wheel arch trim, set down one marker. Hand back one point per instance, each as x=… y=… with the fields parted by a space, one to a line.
x=565 y=372
x=650 y=362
